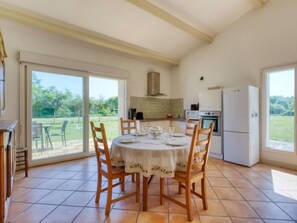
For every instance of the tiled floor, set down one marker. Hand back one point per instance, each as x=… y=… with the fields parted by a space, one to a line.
x=65 y=193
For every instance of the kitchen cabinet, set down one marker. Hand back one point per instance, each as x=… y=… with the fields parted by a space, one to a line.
x=7 y=165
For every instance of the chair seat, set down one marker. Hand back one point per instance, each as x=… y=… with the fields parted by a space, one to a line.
x=181 y=175
x=115 y=170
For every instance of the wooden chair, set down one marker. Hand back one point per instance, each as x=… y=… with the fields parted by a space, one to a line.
x=190 y=123
x=108 y=171
x=127 y=125
x=22 y=159
x=196 y=170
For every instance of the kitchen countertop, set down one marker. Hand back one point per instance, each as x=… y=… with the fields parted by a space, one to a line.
x=162 y=119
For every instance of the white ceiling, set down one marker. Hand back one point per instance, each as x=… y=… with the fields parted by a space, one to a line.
x=124 y=21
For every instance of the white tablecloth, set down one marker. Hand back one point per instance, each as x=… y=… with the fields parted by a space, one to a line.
x=150 y=156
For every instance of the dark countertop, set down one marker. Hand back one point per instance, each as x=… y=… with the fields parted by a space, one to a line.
x=162 y=119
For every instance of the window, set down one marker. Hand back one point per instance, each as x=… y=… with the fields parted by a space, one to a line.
x=279 y=111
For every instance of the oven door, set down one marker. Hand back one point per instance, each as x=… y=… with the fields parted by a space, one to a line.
x=207 y=120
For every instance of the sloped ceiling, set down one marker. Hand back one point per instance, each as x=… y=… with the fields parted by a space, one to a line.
x=164 y=28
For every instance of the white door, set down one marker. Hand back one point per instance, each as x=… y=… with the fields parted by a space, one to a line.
x=236 y=110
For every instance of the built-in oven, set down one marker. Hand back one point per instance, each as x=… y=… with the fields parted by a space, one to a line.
x=214 y=117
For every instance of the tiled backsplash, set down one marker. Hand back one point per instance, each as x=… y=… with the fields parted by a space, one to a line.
x=158 y=108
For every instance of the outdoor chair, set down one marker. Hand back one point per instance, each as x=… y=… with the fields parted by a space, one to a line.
x=195 y=170
x=108 y=171
x=62 y=133
x=37 y=134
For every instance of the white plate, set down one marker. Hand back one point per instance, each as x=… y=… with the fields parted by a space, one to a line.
x=128 y=140
x=140 y=134
x=176 y=143
x=177 y=134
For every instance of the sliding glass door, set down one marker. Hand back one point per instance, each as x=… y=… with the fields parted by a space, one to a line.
x=104 y=106
x=57 y=107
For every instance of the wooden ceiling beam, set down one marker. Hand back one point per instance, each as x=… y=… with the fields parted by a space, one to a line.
x=83 y=35
x=162 y=14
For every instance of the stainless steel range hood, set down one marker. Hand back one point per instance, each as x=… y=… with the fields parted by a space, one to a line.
x=153 y=84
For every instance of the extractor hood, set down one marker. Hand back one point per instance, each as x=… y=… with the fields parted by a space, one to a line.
x=153 y=84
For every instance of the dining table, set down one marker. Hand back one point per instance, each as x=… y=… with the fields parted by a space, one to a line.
x=151 y=156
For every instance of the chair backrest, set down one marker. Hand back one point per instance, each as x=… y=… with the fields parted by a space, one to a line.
x=37 y=131
x=101 y=146
x=199 y=149
x=63 y=128
x=190 y=124
x=128 y=125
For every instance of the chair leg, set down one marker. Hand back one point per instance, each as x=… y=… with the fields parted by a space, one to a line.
x=99 y=181
x=193 y=186
x=26 y=163
x=109 y=196
x=123 y=184
x=188 y=201
x=179 y=187
x=161 y=190
x=65 y=140
x=203 y=192
x=133 y=178
x=137 y=187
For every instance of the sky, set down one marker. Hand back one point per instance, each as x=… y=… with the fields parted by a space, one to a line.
x=282 y=83
x=97 y=86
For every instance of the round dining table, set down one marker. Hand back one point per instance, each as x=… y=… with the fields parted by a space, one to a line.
x=159 y=156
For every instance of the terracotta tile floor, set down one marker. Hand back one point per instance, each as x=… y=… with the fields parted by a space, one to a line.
x=65 y=192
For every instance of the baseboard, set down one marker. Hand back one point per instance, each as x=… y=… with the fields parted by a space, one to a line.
x=279 y=164
x=215 y=155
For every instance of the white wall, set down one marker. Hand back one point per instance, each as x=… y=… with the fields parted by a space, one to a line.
x=19 y=37
x=263 y=38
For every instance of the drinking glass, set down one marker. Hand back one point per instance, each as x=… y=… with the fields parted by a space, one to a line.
x=170 y=131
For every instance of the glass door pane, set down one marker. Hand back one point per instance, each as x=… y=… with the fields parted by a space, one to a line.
x=281 y=110
x=103 y=106
x=57 y=115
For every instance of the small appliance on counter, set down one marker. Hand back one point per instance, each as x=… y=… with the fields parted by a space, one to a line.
x=139 y=116
x=195 y=106
x=131 y=113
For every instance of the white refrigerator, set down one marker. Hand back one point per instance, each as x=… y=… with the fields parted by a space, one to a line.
x=241 y=125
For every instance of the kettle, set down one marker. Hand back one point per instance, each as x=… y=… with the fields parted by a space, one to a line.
x=139 y=116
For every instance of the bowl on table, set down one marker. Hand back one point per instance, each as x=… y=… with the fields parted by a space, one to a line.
x=156 y=131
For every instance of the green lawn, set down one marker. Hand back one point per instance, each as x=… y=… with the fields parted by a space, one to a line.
x=74 y=129
x=281 y=128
